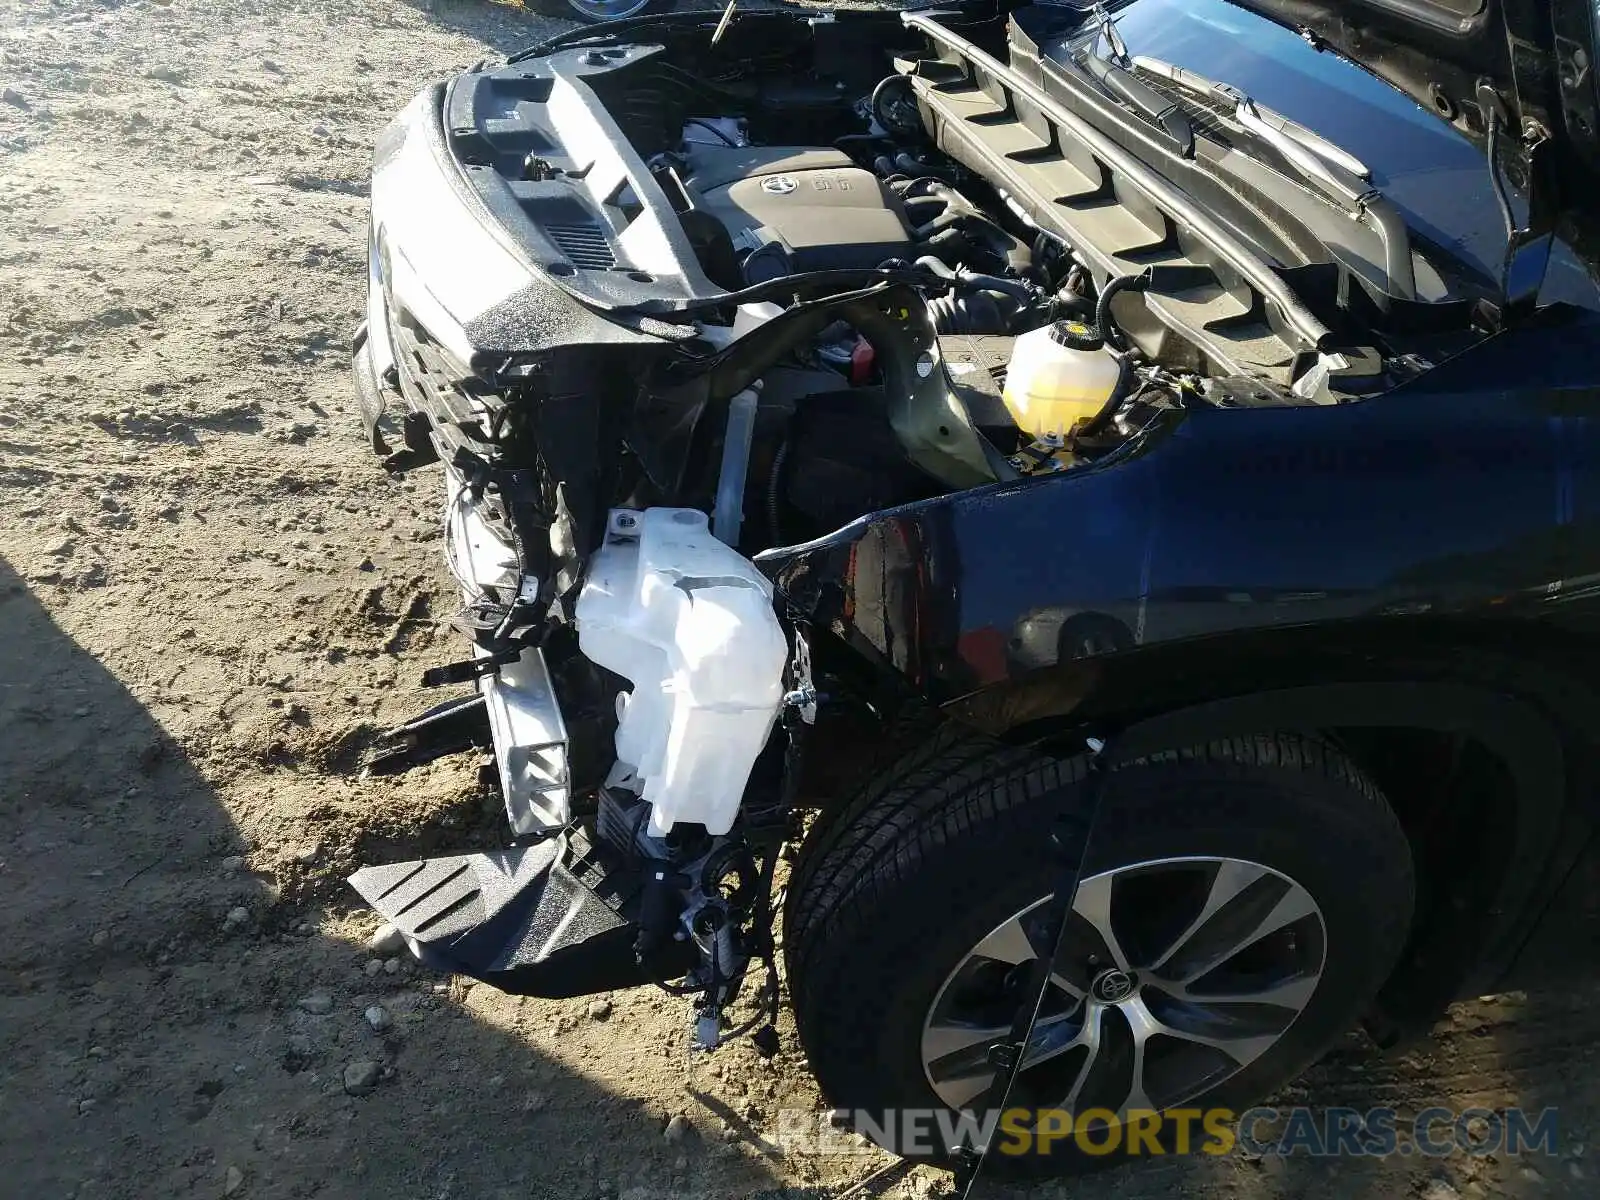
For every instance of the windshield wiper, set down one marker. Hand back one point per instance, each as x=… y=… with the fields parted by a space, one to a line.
x=1311 y=154
x=1329 y=168
x=1115 y=75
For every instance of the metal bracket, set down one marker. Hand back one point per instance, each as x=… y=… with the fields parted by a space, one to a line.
x=471 y=670
x=802 y=697
x=1534 y=154
x=447 y=728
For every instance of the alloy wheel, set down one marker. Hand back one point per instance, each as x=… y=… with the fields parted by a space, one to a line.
x=608 y=10
x=1174 y=975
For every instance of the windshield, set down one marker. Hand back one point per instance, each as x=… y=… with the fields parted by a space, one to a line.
x=1435 y=176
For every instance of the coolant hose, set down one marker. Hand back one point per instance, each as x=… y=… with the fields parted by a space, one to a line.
x=1102 y=310
x=975 y=280
x=1097 y=423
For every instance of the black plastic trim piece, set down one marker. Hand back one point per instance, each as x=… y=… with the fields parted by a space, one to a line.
x=970 y=67
x=519 y=920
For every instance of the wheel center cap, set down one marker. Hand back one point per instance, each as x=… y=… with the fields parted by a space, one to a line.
x=1112 y=986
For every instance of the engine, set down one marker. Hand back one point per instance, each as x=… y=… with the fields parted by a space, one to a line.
x=813 y=442
x=790 y=209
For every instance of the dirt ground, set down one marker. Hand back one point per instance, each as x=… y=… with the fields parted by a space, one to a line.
x=210 y=597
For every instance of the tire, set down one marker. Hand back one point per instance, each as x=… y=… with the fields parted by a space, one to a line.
x=892 y=894
x=591 y=12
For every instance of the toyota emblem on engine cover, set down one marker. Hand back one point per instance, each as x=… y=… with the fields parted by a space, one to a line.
x=779 y=185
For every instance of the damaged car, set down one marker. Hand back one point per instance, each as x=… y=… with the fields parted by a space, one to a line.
x=871 y=439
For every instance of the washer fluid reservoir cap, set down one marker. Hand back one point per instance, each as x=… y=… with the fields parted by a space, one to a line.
x=1076 y=335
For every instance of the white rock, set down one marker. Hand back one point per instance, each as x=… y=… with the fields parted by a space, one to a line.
x=379 y=1018
x=391 y=966
x=374 y=965
x=1439 y=1189
x=318 y=1004
x=386 y=941
x=233 y=864
x=237 y=916
x=599 y=1009
x=678 y=1128
x=232 y=1181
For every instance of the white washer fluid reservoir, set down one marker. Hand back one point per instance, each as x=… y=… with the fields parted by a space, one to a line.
x=689 y=622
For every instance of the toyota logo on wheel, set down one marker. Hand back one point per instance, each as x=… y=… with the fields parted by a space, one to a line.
x=1112 y=986
x=779 y=185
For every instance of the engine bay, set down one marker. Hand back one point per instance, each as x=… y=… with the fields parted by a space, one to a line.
x=1063 y=296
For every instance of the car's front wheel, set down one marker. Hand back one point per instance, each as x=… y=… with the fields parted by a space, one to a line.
x=594 y=11
x=1242 y=904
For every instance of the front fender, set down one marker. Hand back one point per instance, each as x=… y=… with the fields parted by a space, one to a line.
x=1473 y=492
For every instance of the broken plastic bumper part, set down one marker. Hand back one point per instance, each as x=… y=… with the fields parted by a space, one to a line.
x=540 y=920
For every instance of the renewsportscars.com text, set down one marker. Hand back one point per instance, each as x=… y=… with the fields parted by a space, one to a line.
x=1314 y=1133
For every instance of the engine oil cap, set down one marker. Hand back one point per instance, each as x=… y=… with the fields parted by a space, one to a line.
x=1076 y=335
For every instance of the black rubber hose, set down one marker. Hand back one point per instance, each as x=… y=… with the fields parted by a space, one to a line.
x=1021 y=290
x=1097 y=423
x=1102 y=310
x=972 y=312
x=883 y=104
x=774 y=493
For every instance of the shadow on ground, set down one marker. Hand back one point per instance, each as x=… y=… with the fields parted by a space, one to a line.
x=154 y=1032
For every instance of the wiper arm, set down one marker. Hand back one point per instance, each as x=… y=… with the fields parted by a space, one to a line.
x=1318 y=161
x=1310 y=153
x=1114 y=74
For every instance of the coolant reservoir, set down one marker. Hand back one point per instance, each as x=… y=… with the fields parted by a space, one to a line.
x=689 y=622
x=1058 y=374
